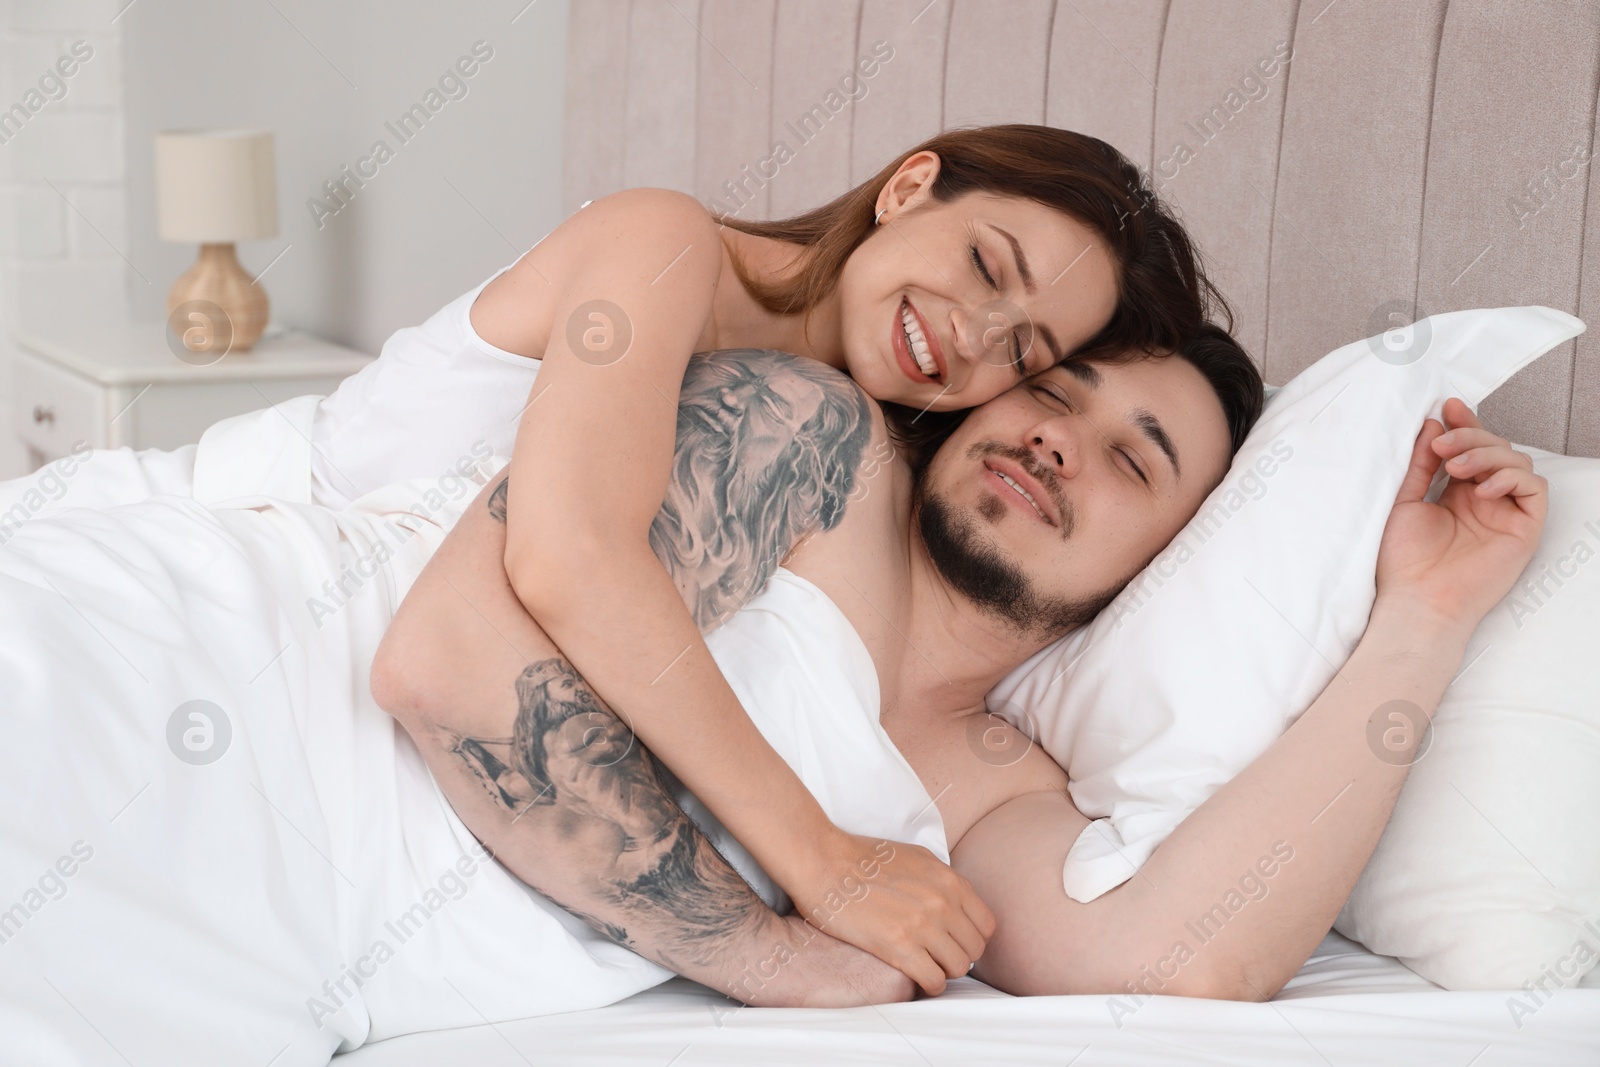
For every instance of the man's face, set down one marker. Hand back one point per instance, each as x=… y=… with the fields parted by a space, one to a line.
x=1084 y=441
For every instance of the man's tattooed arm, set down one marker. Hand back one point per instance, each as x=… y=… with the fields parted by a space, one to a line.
x=769 y=448
x=550 y=778
x=572 y=774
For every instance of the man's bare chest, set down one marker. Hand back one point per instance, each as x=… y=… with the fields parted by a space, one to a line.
x=970 y=762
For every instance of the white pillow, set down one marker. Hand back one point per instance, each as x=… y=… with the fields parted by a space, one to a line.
x=1488 y=875
x=1235 y=628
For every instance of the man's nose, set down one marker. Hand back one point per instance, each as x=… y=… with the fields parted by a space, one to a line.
x=1055 y=443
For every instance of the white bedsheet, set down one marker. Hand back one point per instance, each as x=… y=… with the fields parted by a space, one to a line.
x=160 y=907
x=1346 y=1008
x=308 y=888
x=224 y=895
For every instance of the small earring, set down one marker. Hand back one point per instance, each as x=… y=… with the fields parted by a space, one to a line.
x=877 y=220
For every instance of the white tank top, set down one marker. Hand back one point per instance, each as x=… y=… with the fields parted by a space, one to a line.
x=437 y=395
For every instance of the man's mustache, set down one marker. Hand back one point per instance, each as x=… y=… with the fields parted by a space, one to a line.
x=1025 y=458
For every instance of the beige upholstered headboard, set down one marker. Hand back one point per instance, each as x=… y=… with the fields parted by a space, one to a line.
x=1396 y=152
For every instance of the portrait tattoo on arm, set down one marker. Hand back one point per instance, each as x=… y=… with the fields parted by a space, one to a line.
x=768 y=450
x=569 y=754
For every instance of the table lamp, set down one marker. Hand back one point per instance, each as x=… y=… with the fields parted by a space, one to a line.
x=215 y=187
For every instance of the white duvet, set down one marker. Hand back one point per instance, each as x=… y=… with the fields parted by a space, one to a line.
x=214 y=848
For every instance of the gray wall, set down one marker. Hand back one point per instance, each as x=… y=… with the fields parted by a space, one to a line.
x=475 y=187
x=62 y=189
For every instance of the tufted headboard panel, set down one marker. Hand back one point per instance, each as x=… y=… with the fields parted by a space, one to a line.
x=1335 y=160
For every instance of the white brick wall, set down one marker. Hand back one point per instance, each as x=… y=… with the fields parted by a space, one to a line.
x=63 y=200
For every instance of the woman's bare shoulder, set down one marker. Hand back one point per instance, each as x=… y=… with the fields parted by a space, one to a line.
x=647 y=221
x=632 y=234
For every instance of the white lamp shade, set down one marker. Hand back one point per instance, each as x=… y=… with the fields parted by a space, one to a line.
x=216 y=185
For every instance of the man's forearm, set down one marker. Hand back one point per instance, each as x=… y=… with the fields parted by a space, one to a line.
x=574 y=806
x=539 y=768
x=1325 y=791
x=1277 y=849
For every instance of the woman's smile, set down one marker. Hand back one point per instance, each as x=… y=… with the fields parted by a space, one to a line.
x=916 y=347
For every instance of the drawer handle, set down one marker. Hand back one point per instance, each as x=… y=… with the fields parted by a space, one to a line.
x=44 y=414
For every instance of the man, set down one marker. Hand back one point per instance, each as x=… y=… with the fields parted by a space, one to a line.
x=1033 y=514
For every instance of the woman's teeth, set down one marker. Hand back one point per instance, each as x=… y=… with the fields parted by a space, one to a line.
x=917 y=342
x=1025 y=494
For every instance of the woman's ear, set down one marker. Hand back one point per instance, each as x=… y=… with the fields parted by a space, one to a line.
x=908 y=186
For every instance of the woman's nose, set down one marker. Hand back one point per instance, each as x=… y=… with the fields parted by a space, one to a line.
x=961 y=350
x=983 y=332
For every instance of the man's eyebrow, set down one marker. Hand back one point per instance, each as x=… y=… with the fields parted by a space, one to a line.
x=1083 y=371
x=1151 y=427
x=1146 y=422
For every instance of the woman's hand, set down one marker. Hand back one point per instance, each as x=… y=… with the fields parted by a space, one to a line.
x=1459 y=557
x=900 y=903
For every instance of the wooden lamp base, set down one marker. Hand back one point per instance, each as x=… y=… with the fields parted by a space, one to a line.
x=217 y=279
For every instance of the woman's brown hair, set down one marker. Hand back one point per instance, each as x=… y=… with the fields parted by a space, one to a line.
x=1163 y=293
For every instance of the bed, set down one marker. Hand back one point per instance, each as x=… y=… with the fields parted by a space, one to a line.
x=1398 y=160
x=1346 y=1006
x=1346 y=166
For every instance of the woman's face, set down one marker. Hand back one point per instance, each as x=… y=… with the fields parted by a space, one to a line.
x=946 y=306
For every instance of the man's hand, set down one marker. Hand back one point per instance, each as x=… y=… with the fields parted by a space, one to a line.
x=900 y=903
x=1459 y=557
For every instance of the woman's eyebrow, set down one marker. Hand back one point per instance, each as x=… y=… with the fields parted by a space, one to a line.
x=1022 y=261
x=1056 y=354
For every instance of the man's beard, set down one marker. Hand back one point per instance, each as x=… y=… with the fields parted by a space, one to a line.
x=973 y=566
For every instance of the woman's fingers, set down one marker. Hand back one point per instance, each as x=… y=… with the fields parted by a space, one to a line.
x=952 y=959
x=927 y=972
x=969 y=940
x=978 y=912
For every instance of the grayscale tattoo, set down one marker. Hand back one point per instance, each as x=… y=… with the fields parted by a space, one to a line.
x=569 y=752
x=497 y=502
x=768 y=449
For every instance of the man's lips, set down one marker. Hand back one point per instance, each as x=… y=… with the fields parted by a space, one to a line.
x=1044 y=505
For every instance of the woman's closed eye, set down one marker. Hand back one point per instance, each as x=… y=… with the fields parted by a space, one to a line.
x=988 y=279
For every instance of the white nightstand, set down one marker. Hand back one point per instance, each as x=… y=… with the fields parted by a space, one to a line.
x=115 y=384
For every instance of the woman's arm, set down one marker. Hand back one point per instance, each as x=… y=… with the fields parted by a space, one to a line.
x=1236 y=899
x=593 y=457
x=566 y=798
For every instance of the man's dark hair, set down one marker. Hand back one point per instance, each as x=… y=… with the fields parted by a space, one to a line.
x=1213 y=351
